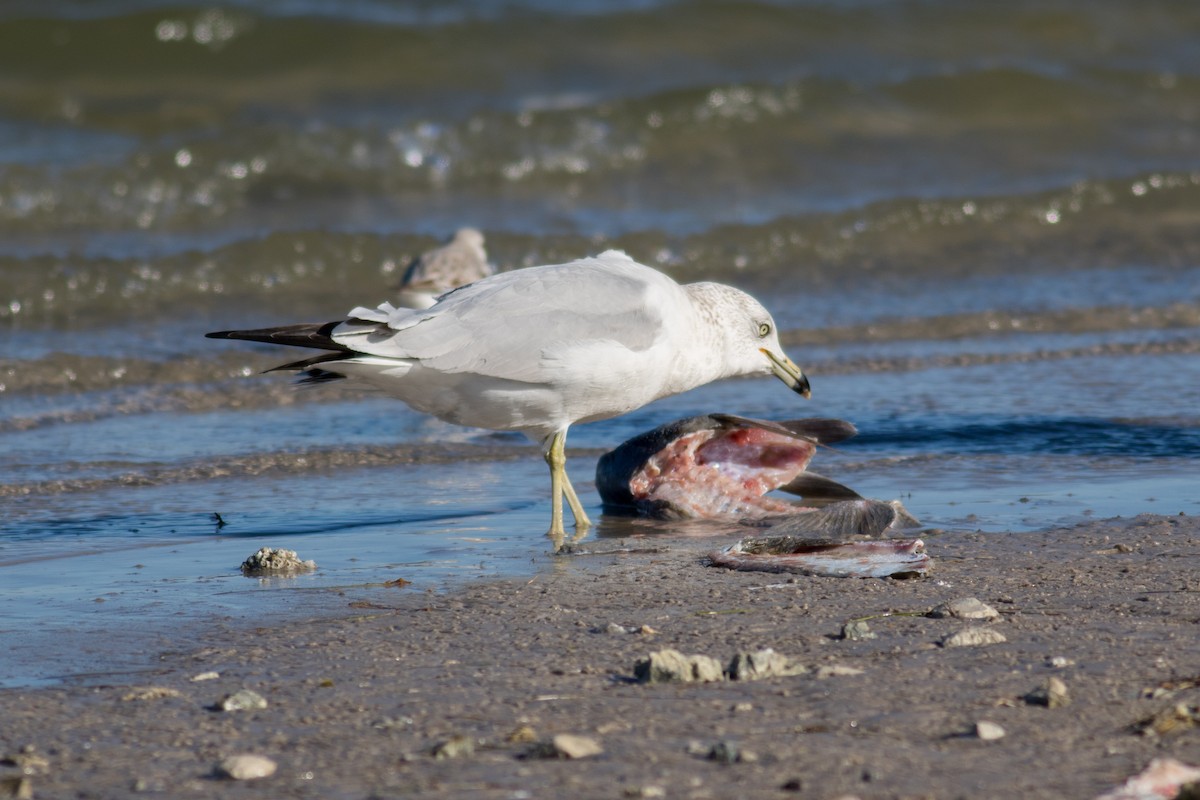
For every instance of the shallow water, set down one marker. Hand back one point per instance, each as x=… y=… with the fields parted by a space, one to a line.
x=976 y=228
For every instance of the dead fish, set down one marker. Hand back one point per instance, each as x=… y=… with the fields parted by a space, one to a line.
x=880 y=558
x=721 y=466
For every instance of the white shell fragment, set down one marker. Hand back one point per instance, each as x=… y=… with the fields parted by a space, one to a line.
x=974 y=637
x=965 y=608
x=246 y=767
x=672 y=666
x=276 y=561
x=988 y=731
x=1052 y=694
x=243 y=700
x=566 y=745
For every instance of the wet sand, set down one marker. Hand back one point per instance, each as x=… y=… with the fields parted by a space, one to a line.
x=359 y=700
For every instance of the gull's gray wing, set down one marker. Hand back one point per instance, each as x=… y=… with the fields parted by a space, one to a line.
x=513 y=324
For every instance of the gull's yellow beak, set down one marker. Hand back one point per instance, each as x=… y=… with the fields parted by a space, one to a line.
x=787 y=371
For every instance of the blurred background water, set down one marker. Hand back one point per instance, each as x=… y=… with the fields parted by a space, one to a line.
x=978 y=225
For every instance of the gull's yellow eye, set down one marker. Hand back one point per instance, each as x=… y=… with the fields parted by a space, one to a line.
x=764 y=329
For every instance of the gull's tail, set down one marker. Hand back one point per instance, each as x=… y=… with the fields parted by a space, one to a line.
x=314 y=335
x=309 y=334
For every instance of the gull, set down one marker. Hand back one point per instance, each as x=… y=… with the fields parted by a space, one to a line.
x=539 y=349
x=460 y=261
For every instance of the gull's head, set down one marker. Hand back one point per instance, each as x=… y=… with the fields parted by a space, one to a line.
x=746 y=334
x=469 y=236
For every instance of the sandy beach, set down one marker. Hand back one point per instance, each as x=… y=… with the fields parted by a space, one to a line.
x=419 y=694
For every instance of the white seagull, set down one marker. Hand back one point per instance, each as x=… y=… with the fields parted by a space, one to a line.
x=539 y=349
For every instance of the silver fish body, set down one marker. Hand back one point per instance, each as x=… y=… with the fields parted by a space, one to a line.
x=833 y=558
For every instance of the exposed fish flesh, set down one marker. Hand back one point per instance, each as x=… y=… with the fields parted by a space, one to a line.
x=720 y=466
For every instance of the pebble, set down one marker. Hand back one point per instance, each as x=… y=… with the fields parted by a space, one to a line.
x=857 y=631
x=205 y=676
x=761 y=664
x=566 y=745
x=454 y=747
x=672 y=666
x=988 y=731
x=727 y=751
x=973 y=637
x=1052 y=694
x=243 y=700
x=965 y=608
x=247 y=767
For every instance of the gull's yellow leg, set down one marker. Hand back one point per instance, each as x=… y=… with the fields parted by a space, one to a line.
x=560 y=486
x=556 y=533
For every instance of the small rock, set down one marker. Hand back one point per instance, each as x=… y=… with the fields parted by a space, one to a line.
x=965 y=608
x=616 y=629
x=246 y=767
x=243 y=700
x=454 y=747
x=566 y=745
x=974 y=637
x=988 y=731
x=761 y=664
x=205 y=676
x=1052 y=694
x=1060 y=662
x=645 y=791
x=728 y=751
x=646 y=630
x=150 y=693
x=671 y=666
x=857 y=631
x=275 y=561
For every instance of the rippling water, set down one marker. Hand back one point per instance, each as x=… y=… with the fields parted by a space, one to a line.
x=978 y=224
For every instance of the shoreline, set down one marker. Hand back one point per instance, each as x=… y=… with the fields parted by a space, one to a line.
x=358 y=699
